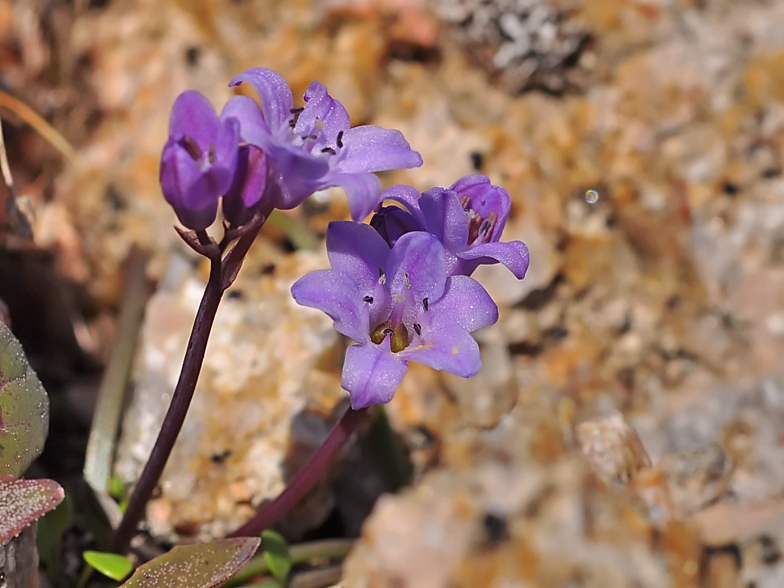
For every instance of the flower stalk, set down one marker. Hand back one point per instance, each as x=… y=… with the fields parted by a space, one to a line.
x=304 y=480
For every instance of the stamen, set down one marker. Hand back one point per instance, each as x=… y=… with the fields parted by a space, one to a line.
x=418 y=328
x=192 y=147
x=296 y=112
x=340 y=139
x=426 y=304
x=484 y=227
x=368 y=299
x=309 y=137
x=382 y=278
x=465 y=201
x=406 y=281
x=329 y=150
x=473 y=228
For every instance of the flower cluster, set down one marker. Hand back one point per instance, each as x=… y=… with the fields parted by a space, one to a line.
x=400 y=287
x=273 y=155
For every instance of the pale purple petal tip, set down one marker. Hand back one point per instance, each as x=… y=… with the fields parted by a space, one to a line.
x=372 y=374
x=274 y=94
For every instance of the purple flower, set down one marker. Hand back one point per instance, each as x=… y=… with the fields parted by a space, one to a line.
x=468 y=219
x=399 y=305
x=198 y=160
x=314 y=148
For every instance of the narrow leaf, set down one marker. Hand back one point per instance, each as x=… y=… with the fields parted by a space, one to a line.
x=111 y=565
x=203 y=565
x=276 y=554
x=24 y=408
x=25 y=501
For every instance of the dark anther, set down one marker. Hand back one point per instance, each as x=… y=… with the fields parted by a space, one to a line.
x=340 y=139
x=484 y=227
x=368 y=299
x=388 y=331
x=426 y=304
x=309 y=137
x=192 y=147
x=406 y=281
x=329 y=150
x=296 y=112
x=418 y=328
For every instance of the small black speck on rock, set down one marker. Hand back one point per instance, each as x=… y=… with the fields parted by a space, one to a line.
x=192 y=55
x=496 y=529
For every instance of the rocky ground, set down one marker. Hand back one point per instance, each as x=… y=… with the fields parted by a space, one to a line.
x=628 y=426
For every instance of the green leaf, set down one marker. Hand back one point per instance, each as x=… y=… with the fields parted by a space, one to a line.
x=203 y=565
x=276 y=554
x=24 y=408
x=25 y=501
x=111 y=565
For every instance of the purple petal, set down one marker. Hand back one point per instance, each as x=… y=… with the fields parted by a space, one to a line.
x=513 y=255
x=336 y=294
x=372 y=149
x=362 y=190
x=445 y=217
x=357 y=250
x=295 y=173
x=253 y=127
x=193 y=116
x=274 y=93
x=465 y=304
x=320 y=105
x=226 y=145
x=452 y=350
x=241 y=201
x=183 y=187
x=408 y=197
x=417 y=266
x=392 y=222
x=208 y=187
x=178 y=172
x=372 y=374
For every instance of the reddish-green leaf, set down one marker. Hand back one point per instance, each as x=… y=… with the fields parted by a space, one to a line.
x=24 y=501
x=203 y=565
x=24 y=408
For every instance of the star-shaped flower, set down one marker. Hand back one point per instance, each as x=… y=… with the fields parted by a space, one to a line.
x=399 y=305
x=313 y=148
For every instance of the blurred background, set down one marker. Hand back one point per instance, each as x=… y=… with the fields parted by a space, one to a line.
x=641 y=141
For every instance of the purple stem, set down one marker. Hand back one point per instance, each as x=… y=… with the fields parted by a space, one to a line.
x=310 y=473
x=175 y=416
